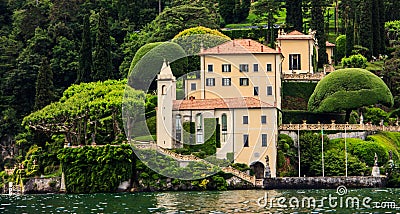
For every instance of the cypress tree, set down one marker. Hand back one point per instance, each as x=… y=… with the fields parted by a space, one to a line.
x=44 y=85
x=294 y=15
x=317 y=23
x=244 y=9
x=226 y=10
x=85 y=60
x=366 y=32
x=102 y=64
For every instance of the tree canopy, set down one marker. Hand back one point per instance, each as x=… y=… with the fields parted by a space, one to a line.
x=348 y=89
x=88 y=109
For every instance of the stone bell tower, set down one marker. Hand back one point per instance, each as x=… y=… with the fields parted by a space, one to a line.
x=166 y=93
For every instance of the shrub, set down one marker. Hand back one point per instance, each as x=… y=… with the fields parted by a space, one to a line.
x=354 y=61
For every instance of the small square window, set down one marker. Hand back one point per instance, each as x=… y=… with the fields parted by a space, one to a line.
x=245 y=119
x=264 y=140
x=245 y=140
x=269 y=67
x=226 y=68
x=210 y=82
x=244 y=81
x=255 y=67
x=269 y=90
x=256 y=91
x=226 y=81
x=210 y=68
x=263 y=119
x=193 y=86
x=244 y=68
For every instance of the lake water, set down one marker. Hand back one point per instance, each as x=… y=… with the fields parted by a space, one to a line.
x=237 y=201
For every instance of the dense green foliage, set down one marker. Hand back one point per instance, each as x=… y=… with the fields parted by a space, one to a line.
x=44 y=86
x=95 y=169
x=348 y=89
x=102 y=64
x=149 y=59
x=297 y=117
x=296 y=95
x=354 y=61
x=340 y=48
x=317 y=14
x=85 y=60
x=267 y=10
x=294 y=15
x=234 y=11
x=89 y=110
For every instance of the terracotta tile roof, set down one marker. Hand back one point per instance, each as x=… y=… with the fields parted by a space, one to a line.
x=219 y=103
x=328 y=44
x=295 y=35
x=295 y=32
x=238 y=46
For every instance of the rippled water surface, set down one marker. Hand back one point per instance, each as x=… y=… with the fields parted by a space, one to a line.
x=238 y=201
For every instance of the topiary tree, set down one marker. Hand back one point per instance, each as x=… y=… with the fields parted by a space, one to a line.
x=191 y=40
x=348 y=89
x=148 y=60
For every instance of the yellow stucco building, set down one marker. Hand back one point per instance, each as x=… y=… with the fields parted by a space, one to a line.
x=239 y=85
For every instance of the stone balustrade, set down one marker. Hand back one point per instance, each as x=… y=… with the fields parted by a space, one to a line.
x=337 y=127
x=240 y=174
x=181 y=157
x=304 y=77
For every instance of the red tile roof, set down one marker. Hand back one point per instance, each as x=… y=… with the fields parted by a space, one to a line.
x=328 y=44
x=219 y=103
x=239 y=46
x=294 y=35
x=295 y=32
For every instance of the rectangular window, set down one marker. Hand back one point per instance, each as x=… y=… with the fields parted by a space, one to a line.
x=226 y=67
x=244 y=81
x=193 y=86
x=255 y=67
x=200 y=137
x=210 y=82
x=294 y=62
x=255 y=91
x=226 y=81
x=245 y=119
x=244 y=67
x=269 y=67
x=263 y=119
x=264 y=140
x=245 y=140
x=210 y=68
x=269 y=90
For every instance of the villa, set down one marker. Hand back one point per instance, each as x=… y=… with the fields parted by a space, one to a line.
x=239 y=86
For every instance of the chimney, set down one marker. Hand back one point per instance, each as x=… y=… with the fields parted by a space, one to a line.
x=249 y=43
x=218 y=49
x=233 y=43
x=262 y=48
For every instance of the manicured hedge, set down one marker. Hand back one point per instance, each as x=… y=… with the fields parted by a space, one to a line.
x=297 y=116
x=251 y=33
x=349 y=88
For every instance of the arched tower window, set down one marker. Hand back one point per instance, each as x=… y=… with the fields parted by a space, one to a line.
x=163 y=89
x=178 y=128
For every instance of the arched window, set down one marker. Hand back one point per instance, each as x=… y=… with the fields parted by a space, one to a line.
x=163 y=89
x=199 y=124
x=224 y=128
x=224 y=122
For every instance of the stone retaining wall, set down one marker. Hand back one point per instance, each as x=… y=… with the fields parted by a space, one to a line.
x=324 y=182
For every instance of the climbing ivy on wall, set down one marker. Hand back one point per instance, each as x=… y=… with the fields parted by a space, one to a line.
x=96 y=169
